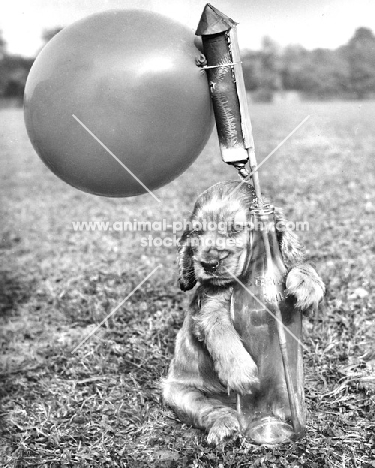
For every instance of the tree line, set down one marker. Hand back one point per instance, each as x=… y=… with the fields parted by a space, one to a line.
x=347 y=72
x=15 y=68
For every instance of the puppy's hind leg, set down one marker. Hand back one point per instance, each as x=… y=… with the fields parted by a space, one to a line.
x=195 y=408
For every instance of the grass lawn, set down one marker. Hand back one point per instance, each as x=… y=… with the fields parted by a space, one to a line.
x=101 y=406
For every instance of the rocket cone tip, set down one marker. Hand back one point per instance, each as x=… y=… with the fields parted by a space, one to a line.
x=213 y=22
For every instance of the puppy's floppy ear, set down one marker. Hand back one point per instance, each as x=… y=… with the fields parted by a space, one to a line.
x=292 y=250
x=186 y=279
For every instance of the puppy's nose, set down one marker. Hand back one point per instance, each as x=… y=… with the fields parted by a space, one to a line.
x=210 y=265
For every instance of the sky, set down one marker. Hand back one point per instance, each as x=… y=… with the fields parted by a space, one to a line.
x=311 y=23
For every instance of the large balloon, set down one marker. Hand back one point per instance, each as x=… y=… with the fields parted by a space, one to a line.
x=126 y=80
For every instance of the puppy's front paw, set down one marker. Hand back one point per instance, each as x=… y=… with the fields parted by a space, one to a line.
x=239 y=372
x=304 y=283
x=224 y=426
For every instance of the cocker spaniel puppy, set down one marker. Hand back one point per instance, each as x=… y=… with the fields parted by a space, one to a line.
x=210 y=358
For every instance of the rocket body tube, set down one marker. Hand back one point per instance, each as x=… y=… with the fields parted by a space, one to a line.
x=224 y=73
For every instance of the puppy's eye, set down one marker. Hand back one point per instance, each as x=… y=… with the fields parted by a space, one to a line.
x=197 y=229
x=239 y=222
x=236 y=229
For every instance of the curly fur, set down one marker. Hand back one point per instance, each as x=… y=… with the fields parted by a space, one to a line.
x=210 y=358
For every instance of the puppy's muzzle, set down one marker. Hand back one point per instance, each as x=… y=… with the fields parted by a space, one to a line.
x=210 y=266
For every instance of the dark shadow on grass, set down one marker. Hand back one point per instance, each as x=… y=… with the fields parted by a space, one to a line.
x=14 y=291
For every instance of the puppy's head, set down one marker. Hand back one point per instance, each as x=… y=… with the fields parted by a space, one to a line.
x=215 y=245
